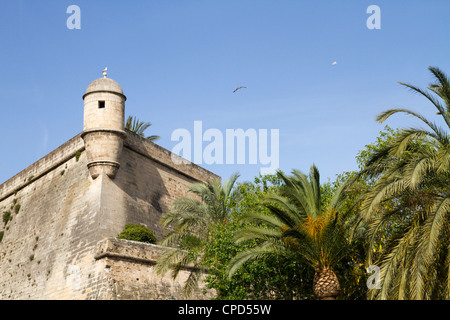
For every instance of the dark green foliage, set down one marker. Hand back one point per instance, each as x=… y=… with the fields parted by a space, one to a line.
x=192 y=223
x=137 y=232
x=2 y=233
x=293 y=223
x=351 y=269
x=6 y=217
x=269 y=277
x=285 y=276
x=282 y=278
x=17 y=208
x=77 y=155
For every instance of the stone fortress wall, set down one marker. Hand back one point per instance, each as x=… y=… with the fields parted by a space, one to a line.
x=59 y=242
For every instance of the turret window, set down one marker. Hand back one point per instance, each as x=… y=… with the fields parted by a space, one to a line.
x=101 y=104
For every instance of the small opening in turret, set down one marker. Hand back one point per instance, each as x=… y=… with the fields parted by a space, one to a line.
x=101 y=104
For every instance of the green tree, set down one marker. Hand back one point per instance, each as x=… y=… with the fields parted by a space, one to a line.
x=270 y=277
x=134 y=125
x=351 y=269
x=190 y=222
x=412 y=174
x=137 y=232
x=297 y=223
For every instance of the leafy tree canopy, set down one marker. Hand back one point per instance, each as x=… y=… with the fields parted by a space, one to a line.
x=137 y=232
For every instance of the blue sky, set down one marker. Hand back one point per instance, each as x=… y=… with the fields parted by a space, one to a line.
x=179 y=62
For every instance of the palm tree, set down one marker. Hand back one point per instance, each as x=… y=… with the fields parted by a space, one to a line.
x=134 y=125
x=413 y=173
x=190 y=221
x=297 y=222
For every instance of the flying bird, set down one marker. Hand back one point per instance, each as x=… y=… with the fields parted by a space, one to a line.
x=238 y=88
x=334 y=63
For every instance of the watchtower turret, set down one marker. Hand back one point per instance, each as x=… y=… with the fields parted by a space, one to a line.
x=103 y=130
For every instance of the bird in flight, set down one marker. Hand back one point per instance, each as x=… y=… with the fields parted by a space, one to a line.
x=238 y=88
x=334 y=63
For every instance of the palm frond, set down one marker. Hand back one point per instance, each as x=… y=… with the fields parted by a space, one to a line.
x=139 y=127
x=296 y=223
x=189 y=222
x=264 y=250
x=411 y=175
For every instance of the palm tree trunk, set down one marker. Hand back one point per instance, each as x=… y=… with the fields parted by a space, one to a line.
x=326 y=284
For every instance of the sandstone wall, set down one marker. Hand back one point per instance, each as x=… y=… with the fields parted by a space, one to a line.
x=45 y=250
x=50 y=247
x=129 y=274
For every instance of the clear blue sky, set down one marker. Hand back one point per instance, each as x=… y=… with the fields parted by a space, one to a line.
x=179 y=61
